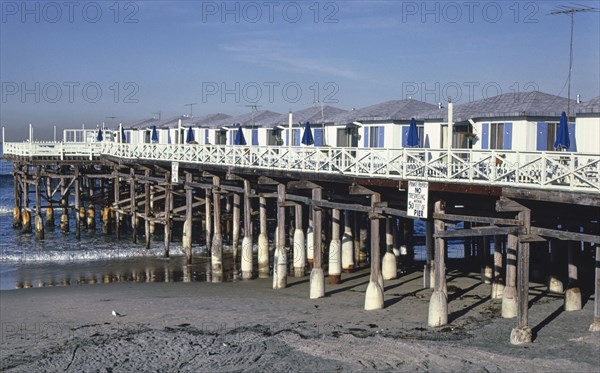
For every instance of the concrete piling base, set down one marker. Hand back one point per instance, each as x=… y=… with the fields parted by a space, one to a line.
x=555 y=285
x=246 y=258
x=389 y=267
x=335 y=264
x=310 y=246
x=595 y=326
x=26 y=221
x=64 y=222
x=347 y=252
x=317 y=283
x=39 y=227
x=573 y=299
x=486 y=274
x=497 y=290
x=299 y=253
x=519 y=336
x=280 y=275
x=16 y=217
x=49 y=217
x=438 y=309
x=263 y=256
x=374 y=296
x=509 y=302
x=91 y=217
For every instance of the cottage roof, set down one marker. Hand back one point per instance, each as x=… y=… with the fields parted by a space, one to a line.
x=389 y=110
x=591 y=106
x=256 y=118
x=313 y=114
x=506 y=105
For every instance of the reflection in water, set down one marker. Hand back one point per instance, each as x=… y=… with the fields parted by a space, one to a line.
x=136 y=270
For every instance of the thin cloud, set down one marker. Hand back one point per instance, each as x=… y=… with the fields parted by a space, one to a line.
x=284 y=56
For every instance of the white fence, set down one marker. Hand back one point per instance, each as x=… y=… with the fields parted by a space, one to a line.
x=539 y=170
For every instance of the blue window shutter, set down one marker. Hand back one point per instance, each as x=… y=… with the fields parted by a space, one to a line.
x=380 y=142
x=206 y=136
x=366 y=137
x=485 y=136
x=508 y=135
x=573 y=145
x=318 y=136
x=542 y=136
x=255 y=136
x=297 y=140
x=404 y=130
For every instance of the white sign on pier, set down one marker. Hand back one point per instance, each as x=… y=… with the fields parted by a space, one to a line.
x=175 y=172
x=417 y=199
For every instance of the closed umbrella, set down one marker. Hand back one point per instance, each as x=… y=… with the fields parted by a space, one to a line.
x=239 y=137
x=562 y=134
x=190 y=135
x=412 y=140
x=123 y=137
x=99 y=138
x=154 y=134
x=307 y=137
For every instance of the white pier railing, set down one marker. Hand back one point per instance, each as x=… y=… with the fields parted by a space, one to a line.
x=538 y=170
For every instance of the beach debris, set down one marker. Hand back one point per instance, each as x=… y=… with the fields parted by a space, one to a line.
x=115 y=313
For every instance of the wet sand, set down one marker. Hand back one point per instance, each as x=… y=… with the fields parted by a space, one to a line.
x=249 y=326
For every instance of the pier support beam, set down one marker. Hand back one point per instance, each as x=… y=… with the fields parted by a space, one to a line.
x=235 y=238
x=39 y=222
x=335 y=253
x=26 y=215
x=509 y=295
x=317 y=278
x=299 y=245
x=280 y=262
x=116 y=205
x=347 y=244
x=147 y=234
x=429 y=271
x=595 y=326
x=497 y=285
x=64 y=202
x=573 y=293
x=187 y=225
x=389 y=266
x=374 y=293
x=208 y=219
x=247 y=242
x=522 y=333
x=17 y=223
x=310 y=239
x=263 y=241
x=105 y=216
x=50 y=208
x=167 y=226
x=77 y=203
x=555 y=284
x=438 y=305
x=217 y=241
x=133 y=206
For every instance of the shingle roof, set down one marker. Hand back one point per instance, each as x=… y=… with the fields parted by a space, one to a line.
x=506 y=105
x=313 y=114
x=591 y=106
x=389 y=110
x=256 y=118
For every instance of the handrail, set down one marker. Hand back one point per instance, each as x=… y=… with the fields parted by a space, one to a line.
x=542 y=170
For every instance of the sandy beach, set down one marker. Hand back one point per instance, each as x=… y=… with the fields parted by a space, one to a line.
x=248 y=326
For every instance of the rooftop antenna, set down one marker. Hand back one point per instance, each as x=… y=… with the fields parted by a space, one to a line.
x=254 y=108
x=158 y=113
x=571 y=11
x=191 y=105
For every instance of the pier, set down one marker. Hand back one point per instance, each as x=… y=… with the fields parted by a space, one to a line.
x=543 y=204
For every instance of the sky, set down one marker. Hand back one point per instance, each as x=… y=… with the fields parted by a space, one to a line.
x=79 y=63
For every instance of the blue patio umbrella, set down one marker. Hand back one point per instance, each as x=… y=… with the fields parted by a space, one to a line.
x=154 y=136
x=190 y=135
x=123 y=137
x=99 y=138
x=307 y=137
x=239 y=137
x=562 y=134
x=412 y=140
